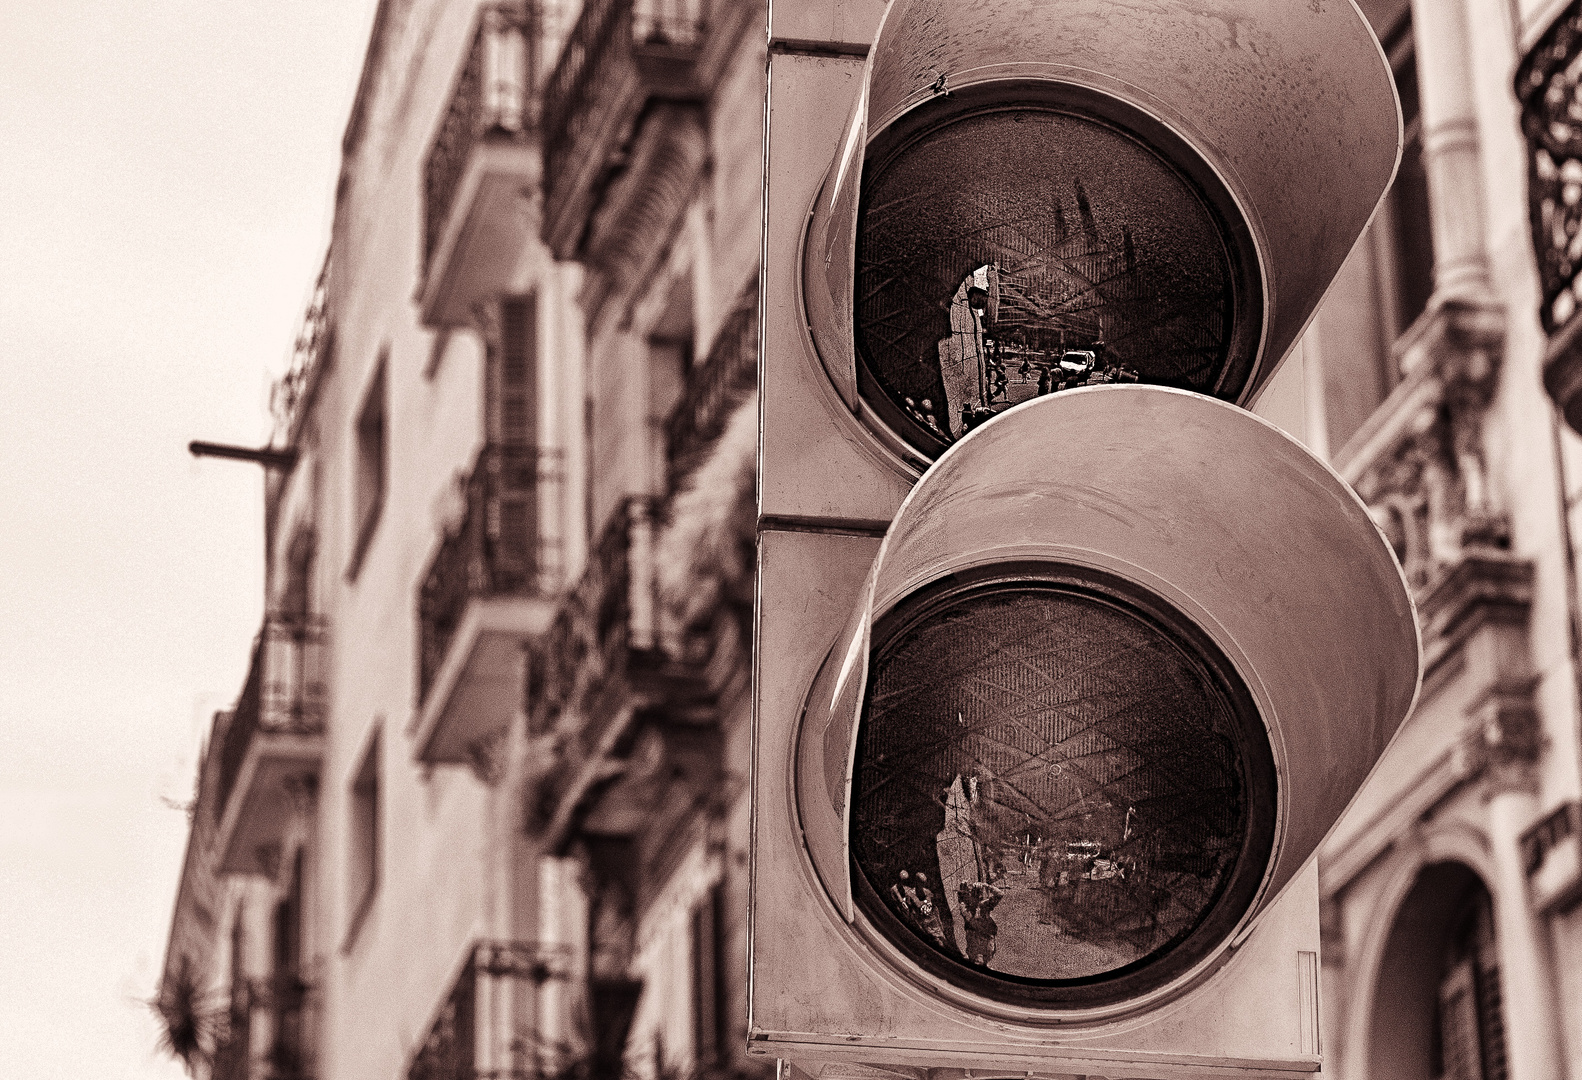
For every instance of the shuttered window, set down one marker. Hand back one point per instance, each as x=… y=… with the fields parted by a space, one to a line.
x=1470 y=1041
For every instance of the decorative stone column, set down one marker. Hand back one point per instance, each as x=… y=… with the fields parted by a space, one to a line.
x=1451 y=153
x=1527 y=986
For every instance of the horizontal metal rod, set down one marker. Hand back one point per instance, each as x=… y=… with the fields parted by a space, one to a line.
x=266 y=456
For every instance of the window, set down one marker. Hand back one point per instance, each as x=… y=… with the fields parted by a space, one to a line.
x=1407 y=268
x=1469 y=1041
x=511 y=419
x=288 y=991
x=296 y=597
x=513 y=375
x=1387 y=283
x=1437 y=1013
x=670 y=364
x=372 y=465
x=362 y=862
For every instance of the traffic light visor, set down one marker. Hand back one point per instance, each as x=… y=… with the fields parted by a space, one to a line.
x=1123 y=658
x=1171 y=189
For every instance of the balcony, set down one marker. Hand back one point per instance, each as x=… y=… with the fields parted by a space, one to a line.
x=619 y=57
x=485 y=595
x=484 y=1028
x=601 y=681
x=292 y=394
x=483 y=169
x=272 y=744
x=1549 y=87
x=714 y=388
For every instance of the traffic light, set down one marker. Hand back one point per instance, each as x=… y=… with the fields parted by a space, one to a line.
x=1065 y=660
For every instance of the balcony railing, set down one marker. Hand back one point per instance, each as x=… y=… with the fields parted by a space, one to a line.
x=1549 y=87
x=714 y=387
x=493 y=100
x=497 y=549
x=480 y=1032
x=283 y=694
x=607 y=621
x=293 y=391
x=614 y=46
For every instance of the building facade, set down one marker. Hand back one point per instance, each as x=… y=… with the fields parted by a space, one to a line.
x=480 y=809
x=1449 y=921
x=481 y=806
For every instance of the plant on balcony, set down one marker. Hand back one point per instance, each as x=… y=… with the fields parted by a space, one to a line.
x=705 y=555
x=192 y=1020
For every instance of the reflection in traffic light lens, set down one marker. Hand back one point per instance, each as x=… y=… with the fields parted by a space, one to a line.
x=995 y=245
x=1051 y=785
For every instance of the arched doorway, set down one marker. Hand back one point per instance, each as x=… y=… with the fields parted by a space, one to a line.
x=1436 y=1012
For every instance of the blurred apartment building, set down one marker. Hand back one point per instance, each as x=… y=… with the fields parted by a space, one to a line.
x=480 y=809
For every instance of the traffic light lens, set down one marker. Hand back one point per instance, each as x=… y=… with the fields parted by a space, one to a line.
x=1055 y=788
x=993 y=242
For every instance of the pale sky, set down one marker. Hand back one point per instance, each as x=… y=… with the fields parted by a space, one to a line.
x=167 y=169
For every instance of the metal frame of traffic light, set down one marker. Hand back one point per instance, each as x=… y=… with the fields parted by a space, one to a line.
x=825 y=988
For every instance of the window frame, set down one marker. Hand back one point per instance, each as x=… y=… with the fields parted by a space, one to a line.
x=371 y=458
x=364 y=842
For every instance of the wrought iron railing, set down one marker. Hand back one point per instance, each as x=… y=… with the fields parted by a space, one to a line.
x=610 y=615
x=469 y=1039
x=493 y=99
x=608 y=38
x=310 y=355
x=1549 y=87
x=497 y=548
x=715 y=387
x=284 y=693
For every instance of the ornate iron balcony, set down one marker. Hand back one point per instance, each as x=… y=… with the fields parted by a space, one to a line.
x=1549 y=87
x=283 y=694
x=618 y=56
x=292 y=393
x=607 y=622
x=475 y=1033
x=715 y=387
x=493 y=100
x=496 y=549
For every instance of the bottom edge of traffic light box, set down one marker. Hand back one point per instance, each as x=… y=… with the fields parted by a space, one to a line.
x=1050 y=1058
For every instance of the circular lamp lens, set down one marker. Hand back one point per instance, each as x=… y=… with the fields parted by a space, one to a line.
x=1062 y=791
x=1010 y=250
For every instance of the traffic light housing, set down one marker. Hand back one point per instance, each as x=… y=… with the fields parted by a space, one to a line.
x=1065 y=661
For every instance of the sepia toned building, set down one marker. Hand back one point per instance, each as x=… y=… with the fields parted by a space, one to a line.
x=1450 y=926
x=481 y=807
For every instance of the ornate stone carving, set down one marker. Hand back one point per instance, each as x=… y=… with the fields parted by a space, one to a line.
x=1504 y=737
x=1420 y=463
